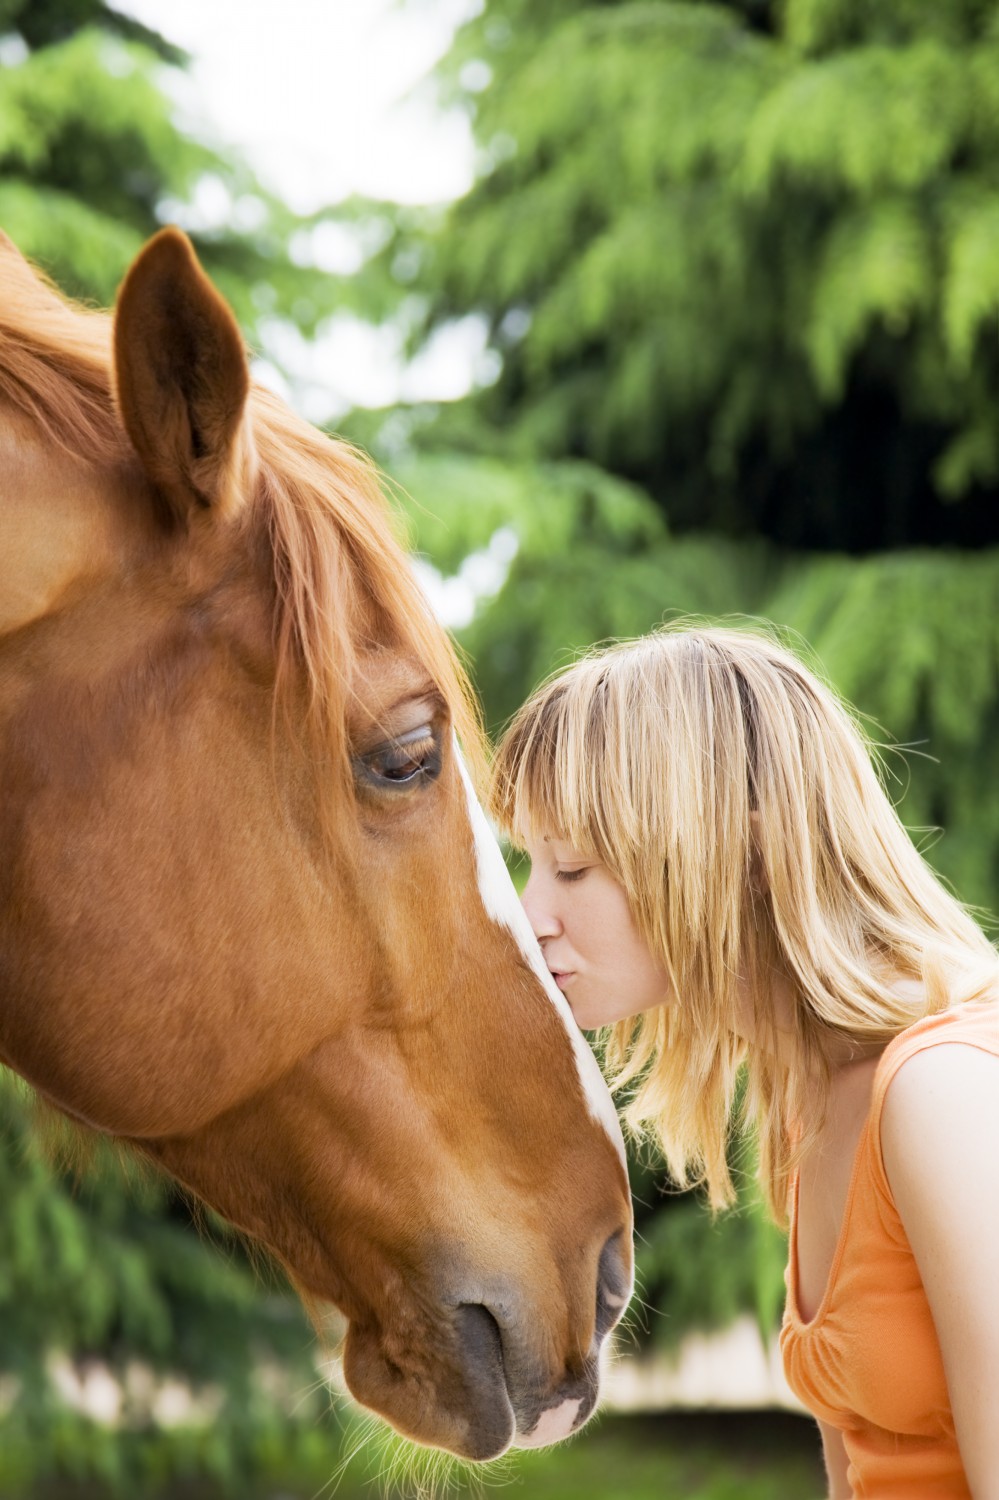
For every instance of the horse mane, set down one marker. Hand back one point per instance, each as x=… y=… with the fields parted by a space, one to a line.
x=342 y=580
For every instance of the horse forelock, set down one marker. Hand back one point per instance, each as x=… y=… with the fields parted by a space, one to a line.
x=55 y=365
x=342 y=582
x=345 y=585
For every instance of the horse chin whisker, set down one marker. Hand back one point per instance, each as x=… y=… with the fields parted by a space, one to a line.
x=305 y=1392
x=328 y=1322
x=331 y=1327
x=366 y=1429
x=407 y=1471
x=634 y=1325
x=394 y=1467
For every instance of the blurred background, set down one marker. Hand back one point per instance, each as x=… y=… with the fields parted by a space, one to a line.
x=643 y=308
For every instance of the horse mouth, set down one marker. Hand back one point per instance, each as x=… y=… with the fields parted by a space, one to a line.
x=569 y=1407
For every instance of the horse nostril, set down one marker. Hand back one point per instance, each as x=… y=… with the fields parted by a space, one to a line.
x=479 y=1338
x=492 y=1424
x=613 y=1284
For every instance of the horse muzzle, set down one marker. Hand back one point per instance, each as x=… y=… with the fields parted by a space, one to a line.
x=490 y=1383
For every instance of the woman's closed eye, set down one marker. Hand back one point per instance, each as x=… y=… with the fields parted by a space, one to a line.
x=568 y=876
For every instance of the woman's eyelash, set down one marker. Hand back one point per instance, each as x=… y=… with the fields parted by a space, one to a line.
x=570 y=875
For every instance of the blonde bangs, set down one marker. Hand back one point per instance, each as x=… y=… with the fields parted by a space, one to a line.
x=548 y=771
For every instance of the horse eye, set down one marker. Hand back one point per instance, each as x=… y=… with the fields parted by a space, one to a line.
x=402 y=761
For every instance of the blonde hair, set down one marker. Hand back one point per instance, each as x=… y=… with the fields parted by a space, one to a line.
x=734 y=797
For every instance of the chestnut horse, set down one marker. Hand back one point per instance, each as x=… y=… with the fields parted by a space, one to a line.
x=252 y=920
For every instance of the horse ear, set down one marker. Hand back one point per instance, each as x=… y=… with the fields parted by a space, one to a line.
x=183 y=379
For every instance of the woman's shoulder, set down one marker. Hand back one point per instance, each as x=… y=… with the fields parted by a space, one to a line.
x=926 y=1046
x=937 y=1132
x=936 y=1084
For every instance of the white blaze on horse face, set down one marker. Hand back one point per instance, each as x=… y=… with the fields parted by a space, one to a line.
x=499 y=897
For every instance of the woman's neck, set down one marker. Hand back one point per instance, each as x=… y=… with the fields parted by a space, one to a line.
x=779 y=1035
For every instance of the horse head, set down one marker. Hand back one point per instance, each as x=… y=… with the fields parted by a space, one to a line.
x=252 y=920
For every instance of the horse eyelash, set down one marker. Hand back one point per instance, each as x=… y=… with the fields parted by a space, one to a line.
x=419 y=747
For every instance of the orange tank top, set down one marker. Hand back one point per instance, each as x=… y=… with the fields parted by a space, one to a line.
x=869 y=1362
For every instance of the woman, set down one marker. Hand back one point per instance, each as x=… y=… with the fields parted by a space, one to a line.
x=717 y=873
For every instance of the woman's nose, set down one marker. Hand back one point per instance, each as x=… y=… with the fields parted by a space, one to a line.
x=544 y=923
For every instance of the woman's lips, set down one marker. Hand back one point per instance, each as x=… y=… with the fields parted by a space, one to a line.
x=561 y=977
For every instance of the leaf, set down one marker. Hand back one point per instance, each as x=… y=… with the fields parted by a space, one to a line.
x=876 y=266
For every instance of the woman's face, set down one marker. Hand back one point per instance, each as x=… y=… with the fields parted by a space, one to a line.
x=581 y=918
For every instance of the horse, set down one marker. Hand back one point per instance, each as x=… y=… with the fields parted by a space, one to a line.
x=253 y=922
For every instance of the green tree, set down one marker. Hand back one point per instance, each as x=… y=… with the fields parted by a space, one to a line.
x=744 y=254
x=93 y=161
x=204 y=1361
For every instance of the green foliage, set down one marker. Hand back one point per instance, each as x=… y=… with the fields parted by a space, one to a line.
x=675 y=1241
x=876 y=264
x=93 y=161
x=870 y=120
x=743 y=255
x=42 y=22
x=103 y=1278
x=553 y=508
x=913 y=640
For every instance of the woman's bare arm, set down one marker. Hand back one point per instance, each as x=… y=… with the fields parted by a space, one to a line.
x=940 y=1141
x=837 y=1463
